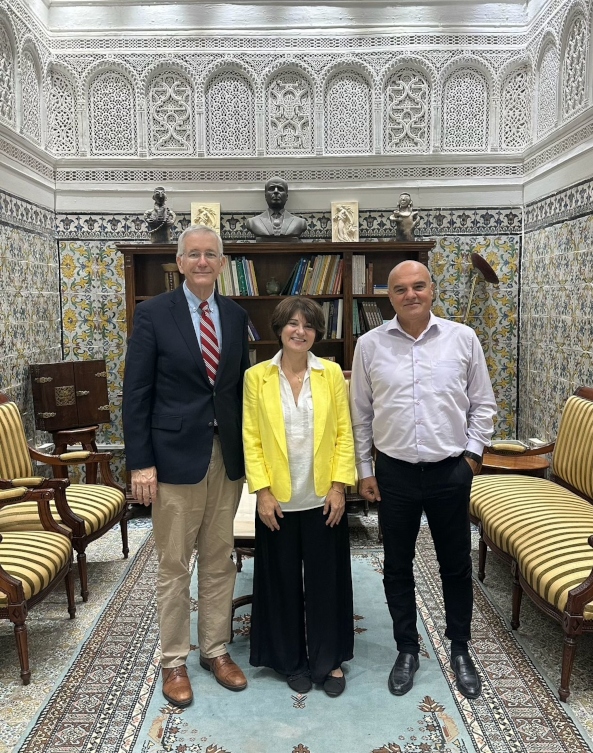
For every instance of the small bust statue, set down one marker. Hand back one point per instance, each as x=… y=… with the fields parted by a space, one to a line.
x=276 y=222
x=406 y=218
x=160 y=219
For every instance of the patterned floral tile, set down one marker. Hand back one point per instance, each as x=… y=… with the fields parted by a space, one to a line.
x=556 y=289
x=565 y=204
x=30 y=329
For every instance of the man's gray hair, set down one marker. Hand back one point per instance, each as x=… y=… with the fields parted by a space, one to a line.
x=198 y=230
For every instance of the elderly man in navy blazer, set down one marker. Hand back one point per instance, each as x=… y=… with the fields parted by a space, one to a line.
x=182 y=428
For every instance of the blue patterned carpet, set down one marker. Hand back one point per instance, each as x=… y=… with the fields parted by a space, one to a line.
x=110 y=701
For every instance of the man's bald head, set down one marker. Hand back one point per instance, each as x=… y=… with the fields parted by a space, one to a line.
x=410 y=292
x=409 y=266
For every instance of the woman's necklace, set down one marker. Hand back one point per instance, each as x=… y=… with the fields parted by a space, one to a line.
x=294 y=373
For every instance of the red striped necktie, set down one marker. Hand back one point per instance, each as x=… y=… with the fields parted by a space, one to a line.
x=210 y=349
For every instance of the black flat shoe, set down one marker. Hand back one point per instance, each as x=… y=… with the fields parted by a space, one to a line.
x=300 y=683
x=467 y=680
x=401 y=677
x=334 y=686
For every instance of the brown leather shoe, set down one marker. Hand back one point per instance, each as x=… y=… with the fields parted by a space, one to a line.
x=176 y=686
x=227 y=673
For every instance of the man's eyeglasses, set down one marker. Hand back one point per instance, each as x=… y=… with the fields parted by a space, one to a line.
x=209 y=256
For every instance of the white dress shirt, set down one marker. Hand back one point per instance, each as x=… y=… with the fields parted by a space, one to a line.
x=420 y=400
x=298 y=422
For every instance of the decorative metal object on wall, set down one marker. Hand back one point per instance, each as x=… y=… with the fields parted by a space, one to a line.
x=480 y=268
x=206 y=213
x=345 y=221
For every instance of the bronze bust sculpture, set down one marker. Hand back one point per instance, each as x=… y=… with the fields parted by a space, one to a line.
x=276 y=222
x=160 y=219
x=406 y=218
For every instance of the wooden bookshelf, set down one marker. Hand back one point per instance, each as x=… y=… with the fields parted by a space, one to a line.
x=144 y=278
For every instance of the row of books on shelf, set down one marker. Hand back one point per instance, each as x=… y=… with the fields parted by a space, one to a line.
x=362 y=278
x=366 y=315
x=238 y=278
x=333 y=312
x=320 y=275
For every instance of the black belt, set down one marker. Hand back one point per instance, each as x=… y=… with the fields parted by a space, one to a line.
x=427 y=464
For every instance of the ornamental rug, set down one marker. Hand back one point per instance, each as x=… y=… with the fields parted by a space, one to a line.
x=110 y=701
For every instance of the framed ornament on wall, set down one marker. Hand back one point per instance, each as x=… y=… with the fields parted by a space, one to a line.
x=344 y=221
x=206 y=214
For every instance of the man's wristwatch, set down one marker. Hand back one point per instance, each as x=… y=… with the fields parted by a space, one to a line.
x=473 y=456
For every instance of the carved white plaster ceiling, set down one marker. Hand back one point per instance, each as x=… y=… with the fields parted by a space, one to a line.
x=71 y=16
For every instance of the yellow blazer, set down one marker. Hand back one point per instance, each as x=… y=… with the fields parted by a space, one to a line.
x=264 y=433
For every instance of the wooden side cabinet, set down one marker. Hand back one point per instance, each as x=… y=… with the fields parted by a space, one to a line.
x=69 y=394
x=145 y=278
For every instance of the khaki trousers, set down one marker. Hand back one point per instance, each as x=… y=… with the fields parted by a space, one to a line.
x=185 y=516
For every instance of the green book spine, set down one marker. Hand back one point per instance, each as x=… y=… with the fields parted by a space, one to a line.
x=241 y=275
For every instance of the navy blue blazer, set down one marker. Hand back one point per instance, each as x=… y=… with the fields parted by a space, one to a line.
x=169 y=405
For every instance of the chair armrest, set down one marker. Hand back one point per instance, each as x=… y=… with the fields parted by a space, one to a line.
x=80 y=457
x=20 y=494
x=30 y=481
x=512 y=447
x=70 y=458
x=542 y=449
x=75 y=455
x=36 y=482
x=57 y=490
x=10 y=496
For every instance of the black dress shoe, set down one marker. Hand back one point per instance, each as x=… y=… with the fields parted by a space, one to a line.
x=300 y=683
x=334 y=686
x=467 y=680
x=401 y=677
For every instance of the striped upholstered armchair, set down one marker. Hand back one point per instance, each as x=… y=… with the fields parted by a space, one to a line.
x=544 y=529
x=88 y=510
x=32 y=564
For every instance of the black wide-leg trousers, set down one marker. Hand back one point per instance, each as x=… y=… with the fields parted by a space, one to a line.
x=442 y=490
x=302 y=613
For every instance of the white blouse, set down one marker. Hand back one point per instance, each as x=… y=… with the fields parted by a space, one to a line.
x=298 y=422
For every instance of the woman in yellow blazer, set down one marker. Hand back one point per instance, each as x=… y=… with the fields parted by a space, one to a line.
x=299 y=455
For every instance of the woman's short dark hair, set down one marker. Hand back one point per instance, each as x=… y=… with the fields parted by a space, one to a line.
x=311 y=311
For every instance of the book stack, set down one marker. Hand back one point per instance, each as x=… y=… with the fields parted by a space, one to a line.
x=366 y=316
x=380 y=290
x=252 y=333
x=333 y=311
x=319 y=275
x=359 y=274
x=237 y=278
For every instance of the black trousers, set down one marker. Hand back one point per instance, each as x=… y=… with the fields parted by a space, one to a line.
x=302 y=612
x=442 y=490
